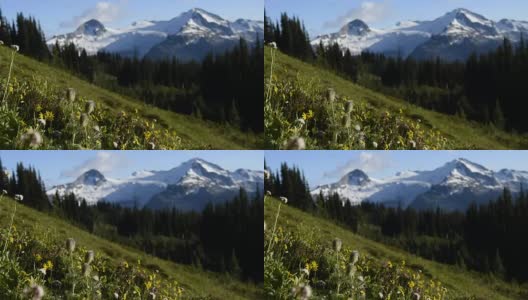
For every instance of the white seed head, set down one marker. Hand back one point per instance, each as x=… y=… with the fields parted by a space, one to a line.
x=284 y=199
x=380 y=295
x=4 y=192
x=97 y=128
x=267 y=174
x=296 y=143
x=15 y=48
x=41 y=122
x=86 y=269
x=416 y=296
x=264 y=225
x=70 y=94
x=273 y=45
x=413 y=144
x=84 y=120
x=375 y=145
x=34 y=292
x=32 y=138
x=357 y=127
x=305 y=272
x=43 y=271
x=116 y=295
x=1 y=43
x=305 y=292
x=354 y=257
x=331 y=94
x=19 y=197
x=90 y=255
x=151 y=296
x=349 y=106
x=116 y=145
x=337 y=243
x=90 y=107
x=268 y=193
x=70 y=245
x=152 y=146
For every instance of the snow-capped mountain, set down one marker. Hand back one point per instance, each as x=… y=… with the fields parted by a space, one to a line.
x=191 y=35
x=452 y=186
x=452 y=36
x=189 y=186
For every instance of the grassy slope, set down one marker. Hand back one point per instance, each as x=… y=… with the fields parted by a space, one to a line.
x=459 y=282
x=194 y=132
x=198 y=283
x=461 y=131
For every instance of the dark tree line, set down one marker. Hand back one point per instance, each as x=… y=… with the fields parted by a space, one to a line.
x=489 y=238
x=224 y=238
x=290 y=35
x=25 y=181
x=290 y=182
x=224 y=87
x=27 y=34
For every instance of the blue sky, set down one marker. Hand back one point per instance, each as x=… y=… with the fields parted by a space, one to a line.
x=60 y=16
x=322 y=167
x=64 y=166
x=324 y=16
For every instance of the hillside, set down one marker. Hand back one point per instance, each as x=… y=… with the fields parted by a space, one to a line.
x=30 y=77
x=308 y=240
x=299 y=91
x=44 y=231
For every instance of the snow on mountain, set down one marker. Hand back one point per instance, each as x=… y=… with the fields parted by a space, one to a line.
x=452 y=186
x=194 y=28
x=190 y=186
x=452 y=36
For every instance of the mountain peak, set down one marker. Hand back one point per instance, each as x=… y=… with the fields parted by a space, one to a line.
x=91 y=27
x=356 y=177
x=355 y=27
x=91 y=177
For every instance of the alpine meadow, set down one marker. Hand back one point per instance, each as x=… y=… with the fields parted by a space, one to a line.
x=455 y=81
x=193 y=231
x=191 y=82
x=454 y=231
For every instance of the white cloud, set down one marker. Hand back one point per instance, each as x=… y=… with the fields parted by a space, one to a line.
x=366 y=161
x=368 y=12
x=104 y=11
x=104 y=162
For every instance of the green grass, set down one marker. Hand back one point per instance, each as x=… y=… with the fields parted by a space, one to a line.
x=197 y=283
x=460 y=283
x=195 y=133
x=462 y=134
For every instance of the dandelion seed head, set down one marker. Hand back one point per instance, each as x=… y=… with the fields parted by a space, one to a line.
x=32 y=138
x=337 y=243
x=349 y=107
x=306 y=292
x=70 y=94
x=296 y=143
x=97 y=128
x=70 y=245
x=116 y=145
x=413 y=144
x=86 y=269
x=354 y=257
x=1 y=43
x=331 y=94
x=273 y=45
x=15 y=48
x=19 y=197
x=284 y=199
x=357 y=127
x=300 y=121
x=90 y=107
x=305 y=272
x=267 y=174
x=90 y=255
x=42 y=122
x=268 y=193
x=152 y=146
x=84 y=120
x=34 y=292
x=116 y=295
x=416 y=296
x=375 y=145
